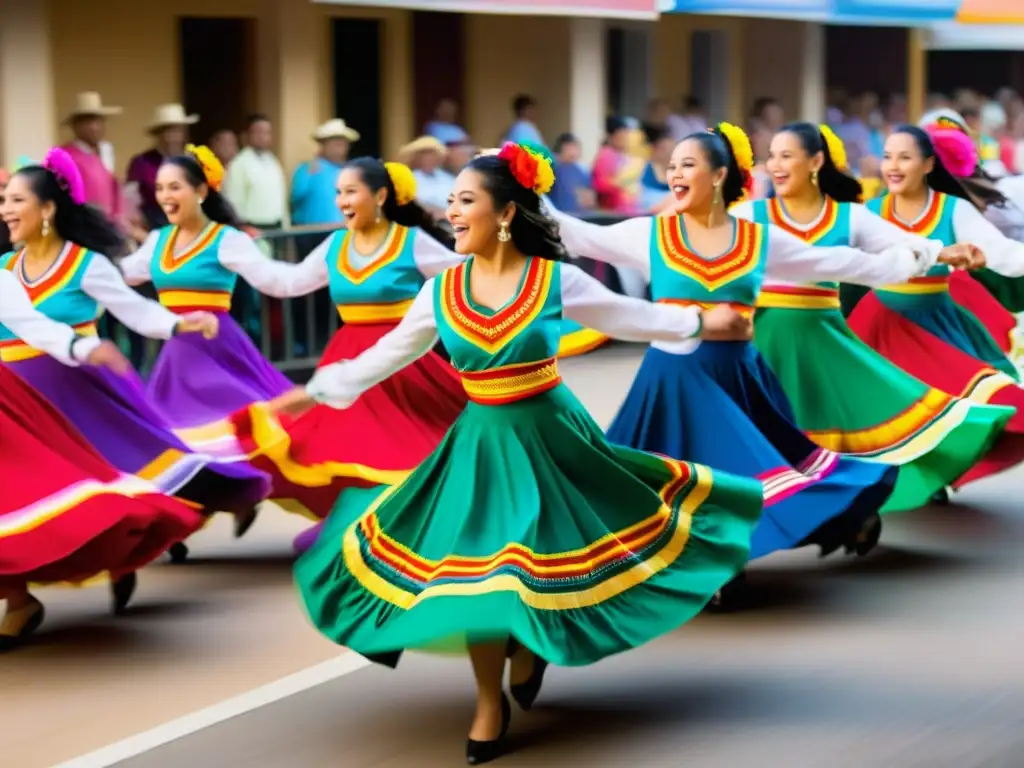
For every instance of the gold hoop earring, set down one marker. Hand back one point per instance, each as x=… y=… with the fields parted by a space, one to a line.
x=503 y=234
x=46 y=227
x=814 y=178
x=718 y=194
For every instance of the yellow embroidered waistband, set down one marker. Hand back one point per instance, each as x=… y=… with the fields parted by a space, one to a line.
x=15 y=350
x=510 y=383
x=798 y=297
x=181 y=302
x=920 y=285
x=744 y=309
x=374 y=313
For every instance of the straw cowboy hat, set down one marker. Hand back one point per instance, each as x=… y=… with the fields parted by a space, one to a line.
x=167 y=115
x=89 y=104
x=335 y=129
x=422 y=144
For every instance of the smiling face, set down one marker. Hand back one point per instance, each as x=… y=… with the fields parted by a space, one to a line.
x=690 y=176
x=790 y=166
x=356 y=201
x=472 y=215
x=23 y=212
x=176 y=196
x=904 y=167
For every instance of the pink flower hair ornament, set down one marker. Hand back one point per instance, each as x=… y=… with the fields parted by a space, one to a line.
x=59 y=163
x=955 y=149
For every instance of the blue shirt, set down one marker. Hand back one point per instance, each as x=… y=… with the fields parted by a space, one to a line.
x=446 y=133
x=652 y=189
x=523 y=131
x=569 y=177
x=314 y=193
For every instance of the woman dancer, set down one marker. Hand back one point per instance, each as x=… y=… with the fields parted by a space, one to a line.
x=65 y=514
x=525 y=523
x=916 y=324
x=845 y=396
x=68 y=279
x=194 y=264
x=989 y=296
x=374 y=269
x=718 y=402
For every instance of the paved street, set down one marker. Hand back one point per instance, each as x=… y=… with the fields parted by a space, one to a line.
x=909 y=658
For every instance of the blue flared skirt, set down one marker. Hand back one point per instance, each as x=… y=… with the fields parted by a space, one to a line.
x=721 y=406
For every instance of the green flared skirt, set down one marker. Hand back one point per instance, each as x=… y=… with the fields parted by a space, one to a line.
x=851 y=400
x=526 y=523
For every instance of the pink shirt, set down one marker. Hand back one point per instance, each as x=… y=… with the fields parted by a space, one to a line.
x=608 y=184
x=101 y=186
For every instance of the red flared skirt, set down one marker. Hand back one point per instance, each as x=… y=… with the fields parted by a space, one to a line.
x=386 y=433
x=65 y=514
x=973 y=296
x=943 y=366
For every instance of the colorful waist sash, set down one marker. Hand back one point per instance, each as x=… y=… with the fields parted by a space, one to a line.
x=798 y=297
x=183 y=302
x=744 y=309
x=374 y=313
x=15 y=349
x=510 y=383
x=920 y=285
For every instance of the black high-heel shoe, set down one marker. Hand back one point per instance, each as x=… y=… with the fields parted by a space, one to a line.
x=244 y=522
x=480 y=752
x=121 y=592
x=869 y=536
x=10 y=642
x=525 y=693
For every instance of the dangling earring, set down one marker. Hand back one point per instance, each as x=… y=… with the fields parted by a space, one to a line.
x=46 y=227
x=201 y=201
x=814 y=177
x=503 y=235
x=718 y=194
x=377 y=219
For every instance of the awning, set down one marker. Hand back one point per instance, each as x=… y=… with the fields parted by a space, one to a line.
x=952 y=36
x=902 y=13
x=616 y=9
x=991 y=12
x=800 y=10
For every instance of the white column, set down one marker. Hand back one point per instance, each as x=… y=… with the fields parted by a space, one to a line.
x=28 y=120
x=812 y=72
x=587 y=89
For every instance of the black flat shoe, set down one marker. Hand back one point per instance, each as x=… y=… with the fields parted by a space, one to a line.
x=10 y=642
x=940 y=498
x=525 y=693
x=244 y=522
x=178 y=553
x=121 y=591
x=480 y=752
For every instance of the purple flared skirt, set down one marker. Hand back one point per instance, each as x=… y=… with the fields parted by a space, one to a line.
x=113 y=414
x=197 y=383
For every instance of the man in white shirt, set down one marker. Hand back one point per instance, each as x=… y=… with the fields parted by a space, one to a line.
x=255 y=182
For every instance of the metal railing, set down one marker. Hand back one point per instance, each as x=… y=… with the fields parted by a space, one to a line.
x=293 y=333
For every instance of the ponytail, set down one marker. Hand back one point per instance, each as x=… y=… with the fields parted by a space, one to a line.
x=940 y=178
x=400 y=205
x=834 y=179
x=728 y=147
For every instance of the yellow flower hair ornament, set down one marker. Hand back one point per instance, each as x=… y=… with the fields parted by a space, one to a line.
x=213 y=169
x=836 y=148
x=404 y=182
x=739 y=143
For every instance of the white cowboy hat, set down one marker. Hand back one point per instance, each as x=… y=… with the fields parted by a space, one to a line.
x=335 y=129
x=422 y=144
x=89 y=103
x=167 y=115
